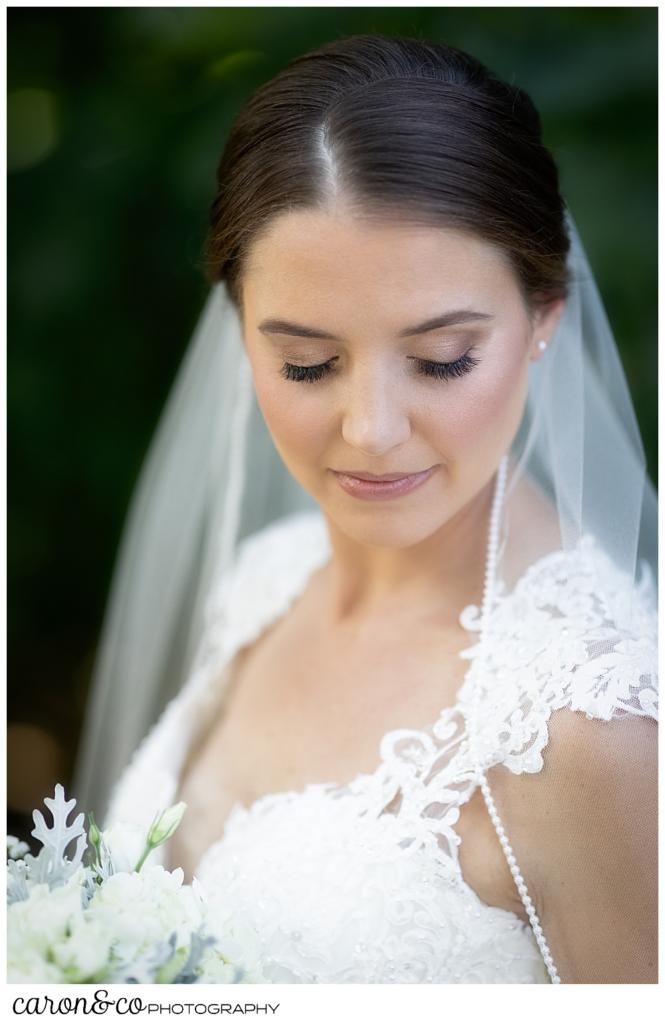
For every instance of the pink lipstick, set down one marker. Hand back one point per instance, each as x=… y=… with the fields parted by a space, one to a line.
x=390 y=485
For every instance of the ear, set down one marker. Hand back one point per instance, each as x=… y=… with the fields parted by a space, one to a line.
x=545 y=323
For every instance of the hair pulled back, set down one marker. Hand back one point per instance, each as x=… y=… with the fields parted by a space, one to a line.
x=393 y=127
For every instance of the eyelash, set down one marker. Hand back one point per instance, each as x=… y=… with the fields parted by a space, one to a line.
x=426 y=367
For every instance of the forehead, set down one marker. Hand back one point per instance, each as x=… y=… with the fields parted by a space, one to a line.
x=312 y=254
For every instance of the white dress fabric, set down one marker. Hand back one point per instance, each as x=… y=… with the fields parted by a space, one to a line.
x=362 y=883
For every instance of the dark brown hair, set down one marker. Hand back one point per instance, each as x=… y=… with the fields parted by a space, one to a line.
x=398 y=127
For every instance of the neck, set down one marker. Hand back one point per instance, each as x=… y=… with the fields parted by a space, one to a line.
x=440 y=574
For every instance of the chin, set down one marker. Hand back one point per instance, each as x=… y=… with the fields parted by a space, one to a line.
x=386 y=527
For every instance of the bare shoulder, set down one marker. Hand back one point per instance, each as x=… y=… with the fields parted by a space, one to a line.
x=594 y=772
x=584 y=832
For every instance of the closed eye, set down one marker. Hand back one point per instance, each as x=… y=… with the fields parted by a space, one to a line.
x=446 y=371
x=426 y=367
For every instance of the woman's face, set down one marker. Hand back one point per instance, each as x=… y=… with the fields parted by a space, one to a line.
x=358 y=296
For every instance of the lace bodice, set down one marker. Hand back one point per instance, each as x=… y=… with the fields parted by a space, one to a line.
x=362 y=882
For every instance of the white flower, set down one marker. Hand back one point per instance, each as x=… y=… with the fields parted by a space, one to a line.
x=214 y=970
x=85 y=952
x=27 y=966
x=134 y=924
x=16 y=847
x=125 y=930
x=146 y=907
x=34 y=925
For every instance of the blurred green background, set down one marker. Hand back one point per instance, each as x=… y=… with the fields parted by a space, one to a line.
x=116 y=120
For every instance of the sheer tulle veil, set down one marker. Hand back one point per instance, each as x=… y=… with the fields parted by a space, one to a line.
x=213 y=477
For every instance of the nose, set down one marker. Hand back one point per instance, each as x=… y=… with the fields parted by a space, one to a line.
x=375 y=417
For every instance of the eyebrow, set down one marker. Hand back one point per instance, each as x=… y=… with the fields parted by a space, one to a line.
x=455 y=316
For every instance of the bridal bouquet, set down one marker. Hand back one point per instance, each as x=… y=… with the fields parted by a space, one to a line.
x=120 y=918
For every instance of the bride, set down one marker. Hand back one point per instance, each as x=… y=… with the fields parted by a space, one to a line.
x=385 y=614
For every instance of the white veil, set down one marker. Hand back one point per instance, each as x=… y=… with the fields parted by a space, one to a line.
x=213 y=477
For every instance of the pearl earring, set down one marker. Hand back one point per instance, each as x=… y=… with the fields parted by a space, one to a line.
x=542 y=345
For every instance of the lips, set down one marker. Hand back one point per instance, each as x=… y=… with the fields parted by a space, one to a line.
x=361 y=475
x=384 y=488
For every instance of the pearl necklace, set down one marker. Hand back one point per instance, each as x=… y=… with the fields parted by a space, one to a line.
x=488 y=598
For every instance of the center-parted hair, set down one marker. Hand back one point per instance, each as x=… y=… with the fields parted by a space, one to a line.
x=400 y=128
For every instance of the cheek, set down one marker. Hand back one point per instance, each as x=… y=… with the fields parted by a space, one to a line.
x=297 y=421
x=486 y=409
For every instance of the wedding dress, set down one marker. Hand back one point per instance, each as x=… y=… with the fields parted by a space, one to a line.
x=362 y=882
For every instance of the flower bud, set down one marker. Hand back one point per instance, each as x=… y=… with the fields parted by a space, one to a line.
x=166 y=824
x=94 y=835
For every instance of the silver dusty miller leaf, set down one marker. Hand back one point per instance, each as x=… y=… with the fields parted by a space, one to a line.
x=50 y=865
x=17 y=886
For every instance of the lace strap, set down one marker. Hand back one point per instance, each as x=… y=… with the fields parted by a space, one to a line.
x=574 y=633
